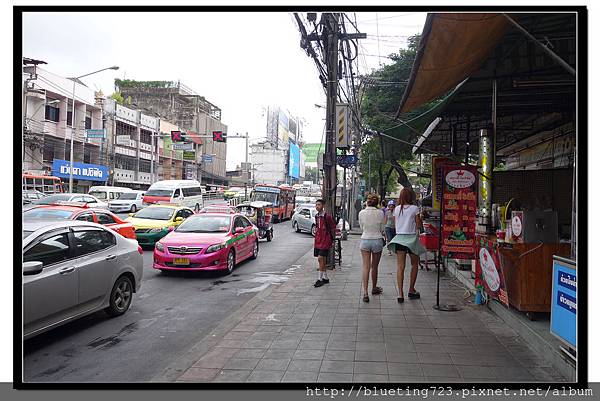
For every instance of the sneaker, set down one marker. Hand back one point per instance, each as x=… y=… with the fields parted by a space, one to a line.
x=320 y=283
x=325 y=280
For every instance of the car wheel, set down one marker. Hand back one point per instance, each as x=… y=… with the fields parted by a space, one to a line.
x=133 y=209
x=296 y=227
x=313 y=230
x=255 y=250
x=197 y=208
x=120 y=296
x=230 y=261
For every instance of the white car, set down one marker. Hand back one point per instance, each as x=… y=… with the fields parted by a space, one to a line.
x=304 y=220
x=129 y=202
x=91 y=200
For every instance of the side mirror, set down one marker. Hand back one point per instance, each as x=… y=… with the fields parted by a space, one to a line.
x=178 y=220
x=238 y=230
x=32 y=268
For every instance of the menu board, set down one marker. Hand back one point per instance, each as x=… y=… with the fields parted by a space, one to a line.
x=488 y=270
x=459 y=208
x=437 y=163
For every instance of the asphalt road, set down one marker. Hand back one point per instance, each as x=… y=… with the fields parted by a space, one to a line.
x=168 y=316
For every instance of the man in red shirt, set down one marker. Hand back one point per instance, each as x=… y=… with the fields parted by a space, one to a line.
x=324 y=235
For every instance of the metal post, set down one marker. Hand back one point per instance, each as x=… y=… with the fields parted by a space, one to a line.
x=494 y=117
x=72 y=138
x=247 y=171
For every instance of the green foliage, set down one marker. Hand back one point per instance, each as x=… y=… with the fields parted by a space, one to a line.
x=130 y=83
x=118 y=97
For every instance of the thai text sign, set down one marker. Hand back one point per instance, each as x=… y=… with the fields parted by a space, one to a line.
x=81 y=171
x=488 y=269
x=459 y=208
x=563 y=313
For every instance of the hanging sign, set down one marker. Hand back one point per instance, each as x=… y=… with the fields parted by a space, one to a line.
x=189 y=155
x=342 y=138
x=459 y=208
x=123 y=140
x=563 y=313
x=183 y=146
x=436 y=179
x=95 y=133
x=516 y=225
x=488 y=269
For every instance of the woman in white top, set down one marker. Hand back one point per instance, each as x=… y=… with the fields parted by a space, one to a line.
x=407 y=218
x=370 y=220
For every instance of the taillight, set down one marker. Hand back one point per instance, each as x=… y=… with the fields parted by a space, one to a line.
x=140 y=250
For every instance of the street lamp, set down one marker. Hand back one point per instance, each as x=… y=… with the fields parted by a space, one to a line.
x=114 y=67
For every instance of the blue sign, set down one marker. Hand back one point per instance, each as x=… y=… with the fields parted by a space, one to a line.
x=563 y=314
x=294 y=170
x=81 y=171
x=347 y=160
x=267 y=189
x=95 y=133
x=207 y=158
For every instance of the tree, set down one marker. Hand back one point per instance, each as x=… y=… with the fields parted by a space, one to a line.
x=118 y=97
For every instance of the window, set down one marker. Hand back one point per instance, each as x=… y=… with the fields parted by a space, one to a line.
x=238 y=223
x=245 y=222
x=191 y=191
x=145 y=136
x=185 y=213
x=104 y=218
x=177 y=194
x=52 y=113
x=85 y=217
x=89 y=199
x=88 y=120
x=49 y=251
x=89 y=240
x=305 y=212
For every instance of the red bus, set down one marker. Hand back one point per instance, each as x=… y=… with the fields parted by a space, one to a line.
x=282 y=198
x=44 y=183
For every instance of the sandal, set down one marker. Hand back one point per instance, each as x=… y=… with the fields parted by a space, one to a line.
x=366 y=298
x=414 y=295
x=400 y=300
x=377 y=291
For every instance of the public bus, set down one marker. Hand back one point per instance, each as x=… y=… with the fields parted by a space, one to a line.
x=282 y=198
x=46 y=184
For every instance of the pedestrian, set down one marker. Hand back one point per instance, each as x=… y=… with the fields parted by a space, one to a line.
x=370 y=220
x=357 y=206
x=324 y=235
x=406 y=241
x=390 y=224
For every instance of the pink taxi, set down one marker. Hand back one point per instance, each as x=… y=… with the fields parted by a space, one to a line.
x=207 y=241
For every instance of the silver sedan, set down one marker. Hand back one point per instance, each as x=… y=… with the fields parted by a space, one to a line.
x=75 y=268
x=304 y=219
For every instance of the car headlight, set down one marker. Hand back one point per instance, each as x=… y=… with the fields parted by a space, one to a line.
x=160 y=247
x=215 y=248
x=156 y=230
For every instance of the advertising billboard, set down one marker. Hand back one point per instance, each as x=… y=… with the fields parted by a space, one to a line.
x=294 y=170
x=81 y=171
x=310 y=151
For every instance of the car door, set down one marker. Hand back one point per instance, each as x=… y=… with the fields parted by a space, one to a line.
x=97 y=259
x=240 y=244
x=107 y=220
x=304 y=219
x=52 y=295
x=248 y=237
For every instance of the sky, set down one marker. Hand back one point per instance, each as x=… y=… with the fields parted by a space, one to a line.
x=241 y=62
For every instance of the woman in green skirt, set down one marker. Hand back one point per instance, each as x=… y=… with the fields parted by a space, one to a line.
x=408 y=219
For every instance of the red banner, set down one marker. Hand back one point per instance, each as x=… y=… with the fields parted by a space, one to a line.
x=459 y=208
x=488 y=270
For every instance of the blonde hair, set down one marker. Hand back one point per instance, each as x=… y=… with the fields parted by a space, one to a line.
x=372 y=200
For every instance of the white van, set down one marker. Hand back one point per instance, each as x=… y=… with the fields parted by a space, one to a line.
x=127 y=202
x=182 y=192
x=106 y=194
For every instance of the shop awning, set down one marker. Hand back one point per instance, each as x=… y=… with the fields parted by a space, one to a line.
x=452 y=47
x=194 y=137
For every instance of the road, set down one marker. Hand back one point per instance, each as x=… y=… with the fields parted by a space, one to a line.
x=168 y=316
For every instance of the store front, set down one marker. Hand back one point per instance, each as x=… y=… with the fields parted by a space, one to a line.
x=85 y=175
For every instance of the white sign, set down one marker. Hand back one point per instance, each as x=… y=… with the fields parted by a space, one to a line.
x=488 y=267
x=516 y=226
x=123 y=140
x=460 y=178
x=342 y=133
x=183 y=146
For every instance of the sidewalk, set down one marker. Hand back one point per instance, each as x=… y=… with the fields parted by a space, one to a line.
x=297 y=333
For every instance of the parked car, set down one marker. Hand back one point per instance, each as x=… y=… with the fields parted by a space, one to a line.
x=155 y=221
x=30 y=195
x=90 y=200
x=106 y=193
x=74 y=268
x=304 y=219
x=207 y=241
x=81 y=213
x=127 y=202
x=230 y=192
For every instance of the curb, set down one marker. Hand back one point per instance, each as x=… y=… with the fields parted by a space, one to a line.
x=177 y=368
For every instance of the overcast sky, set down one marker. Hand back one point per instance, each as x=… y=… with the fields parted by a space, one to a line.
x=240 y=62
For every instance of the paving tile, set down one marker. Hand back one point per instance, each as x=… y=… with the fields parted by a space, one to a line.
x=343 y=337
x=216 y=362
x=450 y=332
x=318 y=329
x=446 y=379
x=344 y=329
x=339 y=355
x=231 y=343
x=461 y=349
x=198 y=375
x=328 y=377
x=308 y=354
x=273 y=364
x=276 y=353
x=396 y=330
x=440 y=370
x=426 y=340
x=512 y=374
x=434 y=357
x=368 y=346
x=312 y=344
x=404 y=369
x=246 y=353
x=370 y=337
x=499 y=360
x=403 y=357
x=316 y=337
x=337 y=367
x=455 y=340
x=477 y=372
x=300 y=377
x=263 y=335
x=236 y=335
x=305 y=365
x=421 y=332
x=400 y=347
x=369 y=378
x=256 y=344
x=485 y=340
x=430 y=348
x=370 y=356
x=371 y=368
x=341 y=345
x=266 y=376
x=285 y=344
x=406 y=379
x=241 y=363
x=232 y=376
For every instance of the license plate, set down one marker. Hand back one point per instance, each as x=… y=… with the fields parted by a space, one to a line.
x=181 y=261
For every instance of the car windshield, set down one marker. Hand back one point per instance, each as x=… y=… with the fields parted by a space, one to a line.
x=128 y=196
x=159 y=192
x=48 y=200
x=205 y=224
x=155 y=213
x=44 y=213
x=98 y=194
x=264 y=196
x=26 y=234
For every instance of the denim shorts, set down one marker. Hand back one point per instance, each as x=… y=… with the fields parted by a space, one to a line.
x=372 y=245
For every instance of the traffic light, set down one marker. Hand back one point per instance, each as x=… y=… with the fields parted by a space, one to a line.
x=219 y=136
x=177 y=136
